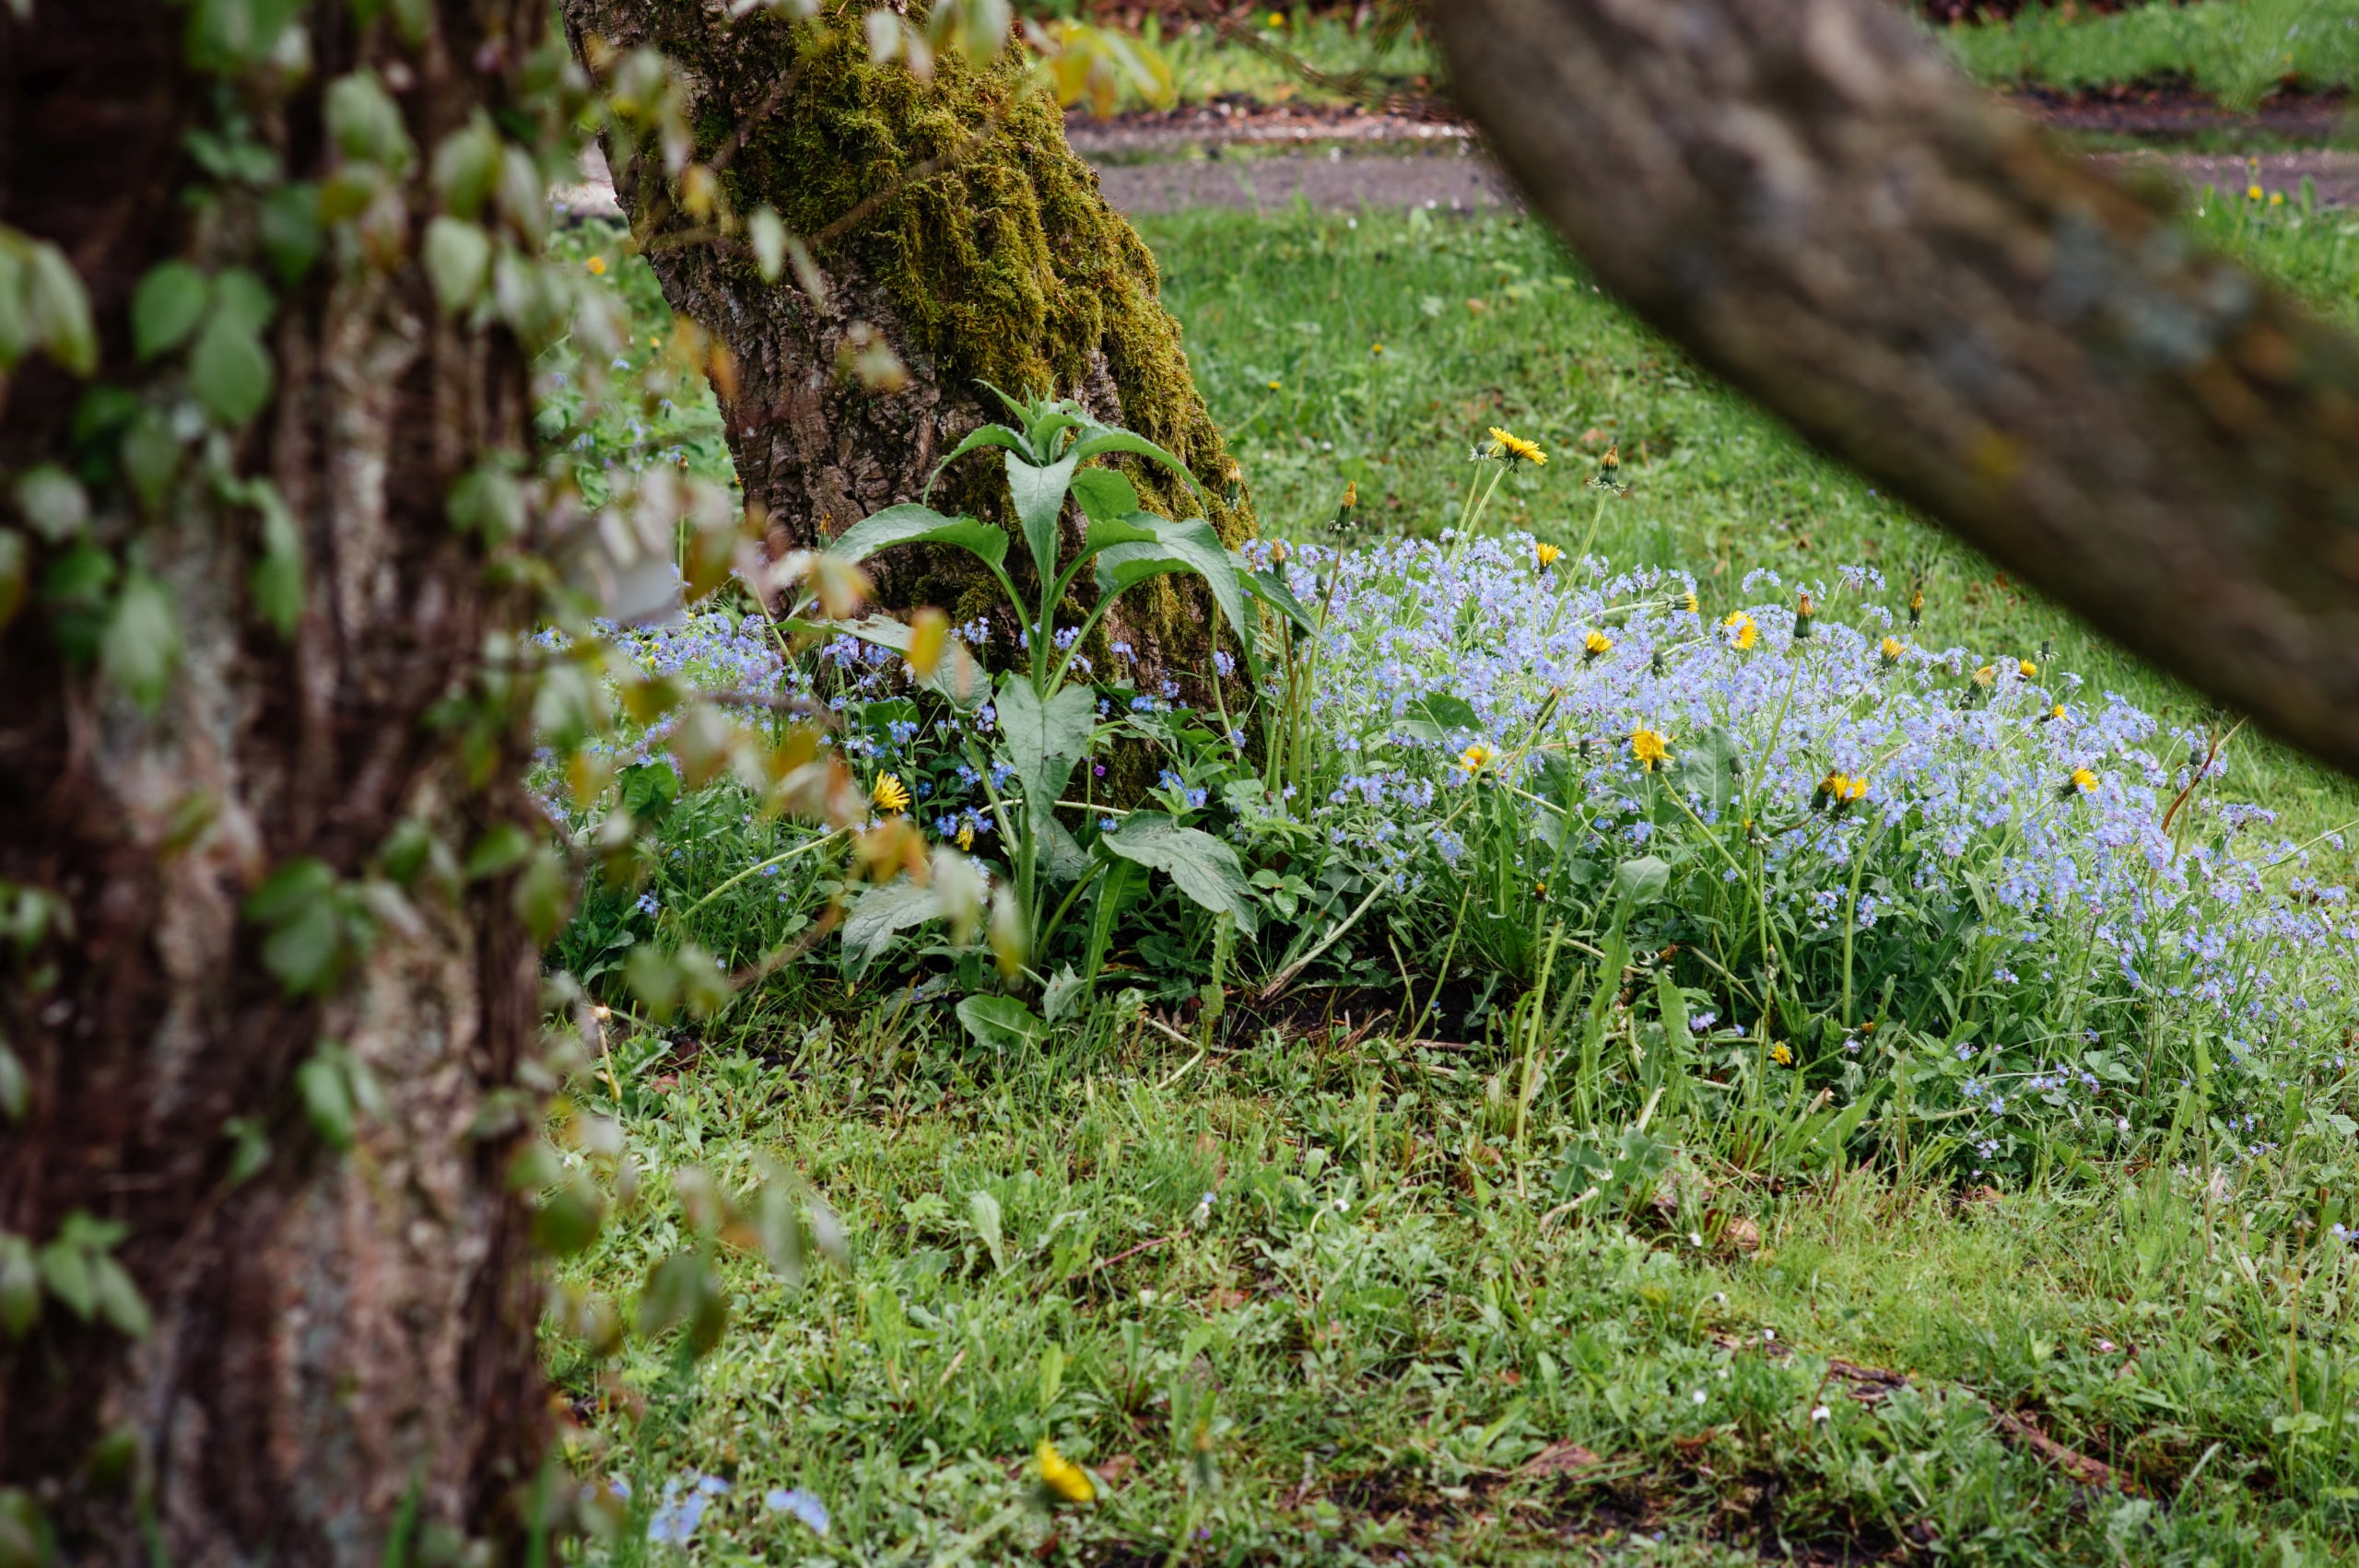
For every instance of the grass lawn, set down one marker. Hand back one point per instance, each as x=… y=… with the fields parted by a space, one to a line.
x=1298 y=1290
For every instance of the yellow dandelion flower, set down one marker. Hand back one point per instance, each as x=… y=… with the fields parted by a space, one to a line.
x=597 y=265
x=1687 y=603
x=2026 y=668
x=1061 y=1475
x=1648 y=747
x=1892 y=647
x=1741 y=629
x=2056 y=712
x=1781 y=1056
x=1985 y=675
x=2252 y=192
x=1476 y=758
x=2084 y=781
x=1546 y=555
x=966 y=835
x=1597 y=644
x=1376 y=349
x=1515 y=449
x=1274 y=383
x=890 y=794
x=2276 y=198
x=1846 y=788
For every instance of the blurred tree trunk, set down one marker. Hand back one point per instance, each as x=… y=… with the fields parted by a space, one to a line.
x=1805 y=195
x=343 y=1348
x=956 y=230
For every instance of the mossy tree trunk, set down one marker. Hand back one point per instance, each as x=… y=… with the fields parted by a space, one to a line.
x=1003 y=264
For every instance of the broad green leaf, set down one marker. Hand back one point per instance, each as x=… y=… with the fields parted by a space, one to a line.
x=244 y=300
x=1205 y=869
x=1102 y=440
x=1114 y=530
x=58 y=309
x=276 y=579
x=1706 y=766
x=229 y=36
x=1040 y=496
x=981 y=436
x=502 y=847
x=1271 y=589
x=228 y=370
x=458 y=262
x=118 y=1298
x=1058 y=855
x=685 y=1287
x=1043 y=741
x=982 y=1209
x=52 y=501
x=1439 y=716
x=1193 y=544
x=1106 y=496
x=170 y=301
x=1642 y=880
x=326 y=1094
x=466 y=167
x=65 y=1269
x=1001 y=1023
x=151 y=457
x=881 y=913
x=1066 y=992
x=569 y=1218
x=911 y=524
x=367 y=124
x=142 y=643
x=289 y=223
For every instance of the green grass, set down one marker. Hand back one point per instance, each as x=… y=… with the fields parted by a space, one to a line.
x=1485 y=322
x=1351 y=1352
x=2236 y=50
x=1385 y=1313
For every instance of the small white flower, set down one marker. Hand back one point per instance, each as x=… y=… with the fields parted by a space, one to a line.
x=1697 y=1395
x=1820 y=1412
x=1768 y=1333
x=1694 y=1238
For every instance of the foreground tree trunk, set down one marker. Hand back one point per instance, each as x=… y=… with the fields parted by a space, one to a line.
x=1805 y=195
x=342 y=1358
x=952 y=225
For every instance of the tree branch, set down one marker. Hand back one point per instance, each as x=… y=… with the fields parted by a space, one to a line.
x=1805 y=195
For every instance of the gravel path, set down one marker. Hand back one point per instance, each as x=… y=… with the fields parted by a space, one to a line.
x=1253 y=160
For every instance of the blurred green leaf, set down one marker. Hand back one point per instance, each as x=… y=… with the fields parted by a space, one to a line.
x=142 y=644
x=170 y=302
x=230 y=370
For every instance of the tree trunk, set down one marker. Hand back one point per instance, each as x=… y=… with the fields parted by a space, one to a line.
x=1003 y=266
x=342 y=1353
x=1806 y=196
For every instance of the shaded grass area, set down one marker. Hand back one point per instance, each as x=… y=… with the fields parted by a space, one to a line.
x=1299 y=1301
x=1375 y=350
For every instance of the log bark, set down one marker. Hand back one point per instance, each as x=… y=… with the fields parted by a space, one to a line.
x=956 y=227
x=1804 y=194
x=343 y=1343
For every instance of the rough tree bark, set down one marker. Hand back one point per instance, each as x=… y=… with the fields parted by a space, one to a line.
x=955 y=225
x=1806 y=196
x=340 y=1339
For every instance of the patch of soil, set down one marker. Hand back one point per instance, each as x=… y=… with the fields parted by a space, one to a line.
x=2166 y=110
